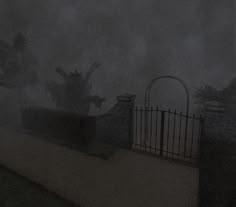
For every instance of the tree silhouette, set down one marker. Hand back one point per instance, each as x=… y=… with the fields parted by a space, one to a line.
x=74 y=94
x=226 y=95
x=16 y=63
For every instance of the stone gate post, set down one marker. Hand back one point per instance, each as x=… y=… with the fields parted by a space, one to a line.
x=115 y=127
x=217 y=167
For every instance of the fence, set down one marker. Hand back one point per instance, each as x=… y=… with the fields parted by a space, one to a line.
x=167 y=133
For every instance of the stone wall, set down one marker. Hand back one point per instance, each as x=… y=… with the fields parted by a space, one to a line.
x=217 y=158
x=115 y=127
x=64 y=127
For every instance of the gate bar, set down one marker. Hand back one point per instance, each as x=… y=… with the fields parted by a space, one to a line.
x=162 y=132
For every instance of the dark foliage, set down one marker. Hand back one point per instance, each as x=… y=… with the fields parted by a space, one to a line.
x=74 y=94
x=16 y=63
x=226 y=95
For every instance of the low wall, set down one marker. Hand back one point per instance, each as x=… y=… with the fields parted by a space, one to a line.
x=64 y=126
x=114 y=127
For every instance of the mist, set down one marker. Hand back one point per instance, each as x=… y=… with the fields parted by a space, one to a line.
x=134 y=40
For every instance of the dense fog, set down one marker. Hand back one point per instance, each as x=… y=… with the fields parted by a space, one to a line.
x=135 y=41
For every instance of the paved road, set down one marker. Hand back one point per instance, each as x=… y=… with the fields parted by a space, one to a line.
x=15 y=191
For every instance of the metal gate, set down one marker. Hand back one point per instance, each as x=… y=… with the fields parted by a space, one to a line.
x=167 y=133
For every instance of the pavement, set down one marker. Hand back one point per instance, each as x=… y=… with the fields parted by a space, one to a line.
x=16 y=191
x=127 y=179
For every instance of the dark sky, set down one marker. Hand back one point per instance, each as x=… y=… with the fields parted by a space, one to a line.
x=135 y=40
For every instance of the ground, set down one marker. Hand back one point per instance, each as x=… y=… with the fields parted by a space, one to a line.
x=127 y=179
x=16 y=191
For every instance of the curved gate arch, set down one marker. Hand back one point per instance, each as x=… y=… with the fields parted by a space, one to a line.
x=149 y=87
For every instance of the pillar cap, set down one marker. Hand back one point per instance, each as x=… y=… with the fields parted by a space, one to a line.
x=126 y=97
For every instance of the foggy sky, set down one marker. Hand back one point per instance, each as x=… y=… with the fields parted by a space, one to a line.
x=135 y=40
